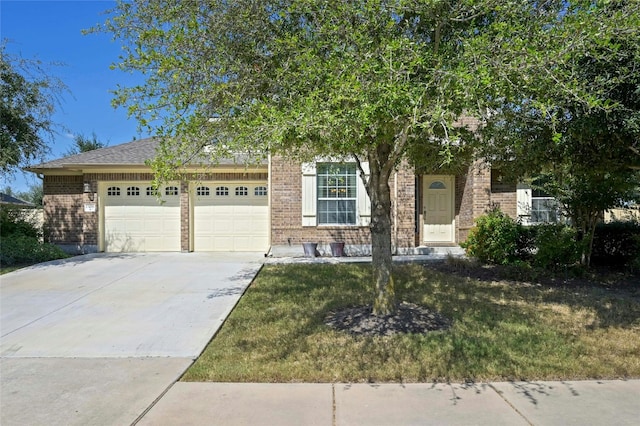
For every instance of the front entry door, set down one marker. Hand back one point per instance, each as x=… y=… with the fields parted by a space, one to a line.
x=437 y=209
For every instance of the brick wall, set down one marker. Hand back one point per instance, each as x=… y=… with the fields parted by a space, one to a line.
x=286 y=211
x=63 y=201
x=463 y=206
x=503 y=194
x=405 y=204
x=477 y=192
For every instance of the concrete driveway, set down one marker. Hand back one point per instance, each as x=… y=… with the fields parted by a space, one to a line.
x=97 y=338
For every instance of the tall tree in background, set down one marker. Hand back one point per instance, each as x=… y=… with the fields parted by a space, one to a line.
x=82 y=143
x=587 y=148
x=28 y=100
x=376 y=81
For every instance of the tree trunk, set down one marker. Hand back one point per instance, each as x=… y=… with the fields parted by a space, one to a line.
x=585 y=221
x=381 y=225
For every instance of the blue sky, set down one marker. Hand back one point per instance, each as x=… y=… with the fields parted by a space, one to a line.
x=51 y=32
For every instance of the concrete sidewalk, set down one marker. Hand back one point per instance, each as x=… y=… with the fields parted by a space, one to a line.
x=614 y=402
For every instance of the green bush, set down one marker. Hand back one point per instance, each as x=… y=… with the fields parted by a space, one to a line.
x=18 y=249
x=13 y=222
x=21 y=241
x=494 y=239
x=556 y=246
x=616 y=243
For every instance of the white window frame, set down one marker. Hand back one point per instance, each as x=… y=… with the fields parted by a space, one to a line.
x=309 y=194
x=525 y=203
x=337 y=194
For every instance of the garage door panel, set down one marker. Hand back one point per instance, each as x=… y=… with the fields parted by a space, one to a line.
x=231 y=223
x=140 y=223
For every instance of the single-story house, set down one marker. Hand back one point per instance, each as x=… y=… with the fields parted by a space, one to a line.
x=103 y=200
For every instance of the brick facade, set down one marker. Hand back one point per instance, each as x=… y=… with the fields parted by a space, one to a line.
x=68 y=224
x=64 y=216
x=286 y=211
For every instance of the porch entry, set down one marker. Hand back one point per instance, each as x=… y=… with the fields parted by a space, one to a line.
x=437 y=209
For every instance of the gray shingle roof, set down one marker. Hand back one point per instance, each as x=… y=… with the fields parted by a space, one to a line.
x=11 y=200
x=134 y=153
x=130 y=153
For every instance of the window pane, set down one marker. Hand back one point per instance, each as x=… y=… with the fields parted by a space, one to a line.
x=203 y=191
x=544 y=210
x=171 y=190
x=337 y=212
x=337 y=192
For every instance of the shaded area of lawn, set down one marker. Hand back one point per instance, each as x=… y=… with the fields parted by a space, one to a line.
x=501 y=330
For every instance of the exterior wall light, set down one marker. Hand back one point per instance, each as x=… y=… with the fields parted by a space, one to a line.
x=86 y=188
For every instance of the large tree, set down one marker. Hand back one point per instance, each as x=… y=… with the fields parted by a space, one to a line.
x=376 y=81
x=29 y=97
x=584 y=147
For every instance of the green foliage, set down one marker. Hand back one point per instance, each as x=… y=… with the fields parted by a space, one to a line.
x=616 y=243
x=21 y=240
x=498 y=239
x=494 y=238
x=557 y=247
x=29 y=97
x=378 y=81
x=577 y=122
x=13 y=221
x=22 y=249
x=82 y=143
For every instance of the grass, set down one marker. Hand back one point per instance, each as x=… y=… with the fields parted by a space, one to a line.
x=502 y=330
x=7 y=269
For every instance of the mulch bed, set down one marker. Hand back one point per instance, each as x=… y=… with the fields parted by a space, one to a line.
x=408 y=318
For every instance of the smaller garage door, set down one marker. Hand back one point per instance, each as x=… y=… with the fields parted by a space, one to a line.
x=135 y=220
x=231 y=216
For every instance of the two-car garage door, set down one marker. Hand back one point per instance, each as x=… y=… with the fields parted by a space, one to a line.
x=224 y=216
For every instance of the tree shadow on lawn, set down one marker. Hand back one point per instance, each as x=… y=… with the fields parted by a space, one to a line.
x=614 y=306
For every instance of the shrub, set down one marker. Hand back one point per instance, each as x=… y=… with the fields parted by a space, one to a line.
x=13 y=222
x=556 y=246
x=494 y=239
x=17 y=249
x=21 y=241
x=616 y=243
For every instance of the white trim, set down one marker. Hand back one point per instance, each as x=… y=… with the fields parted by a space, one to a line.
x=523 y=203
x=310 y=196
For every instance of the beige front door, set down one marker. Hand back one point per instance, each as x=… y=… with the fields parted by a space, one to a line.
x=437 y=209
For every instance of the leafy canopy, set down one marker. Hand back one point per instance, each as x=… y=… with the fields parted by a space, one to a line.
x=29 y=97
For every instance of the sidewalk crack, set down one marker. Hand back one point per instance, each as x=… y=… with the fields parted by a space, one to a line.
x=510 y=405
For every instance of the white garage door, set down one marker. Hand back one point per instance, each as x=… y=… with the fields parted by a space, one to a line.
x=135 y=220
x=231 y=216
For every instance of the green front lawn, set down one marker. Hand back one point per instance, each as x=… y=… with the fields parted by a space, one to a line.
x=502 y=330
